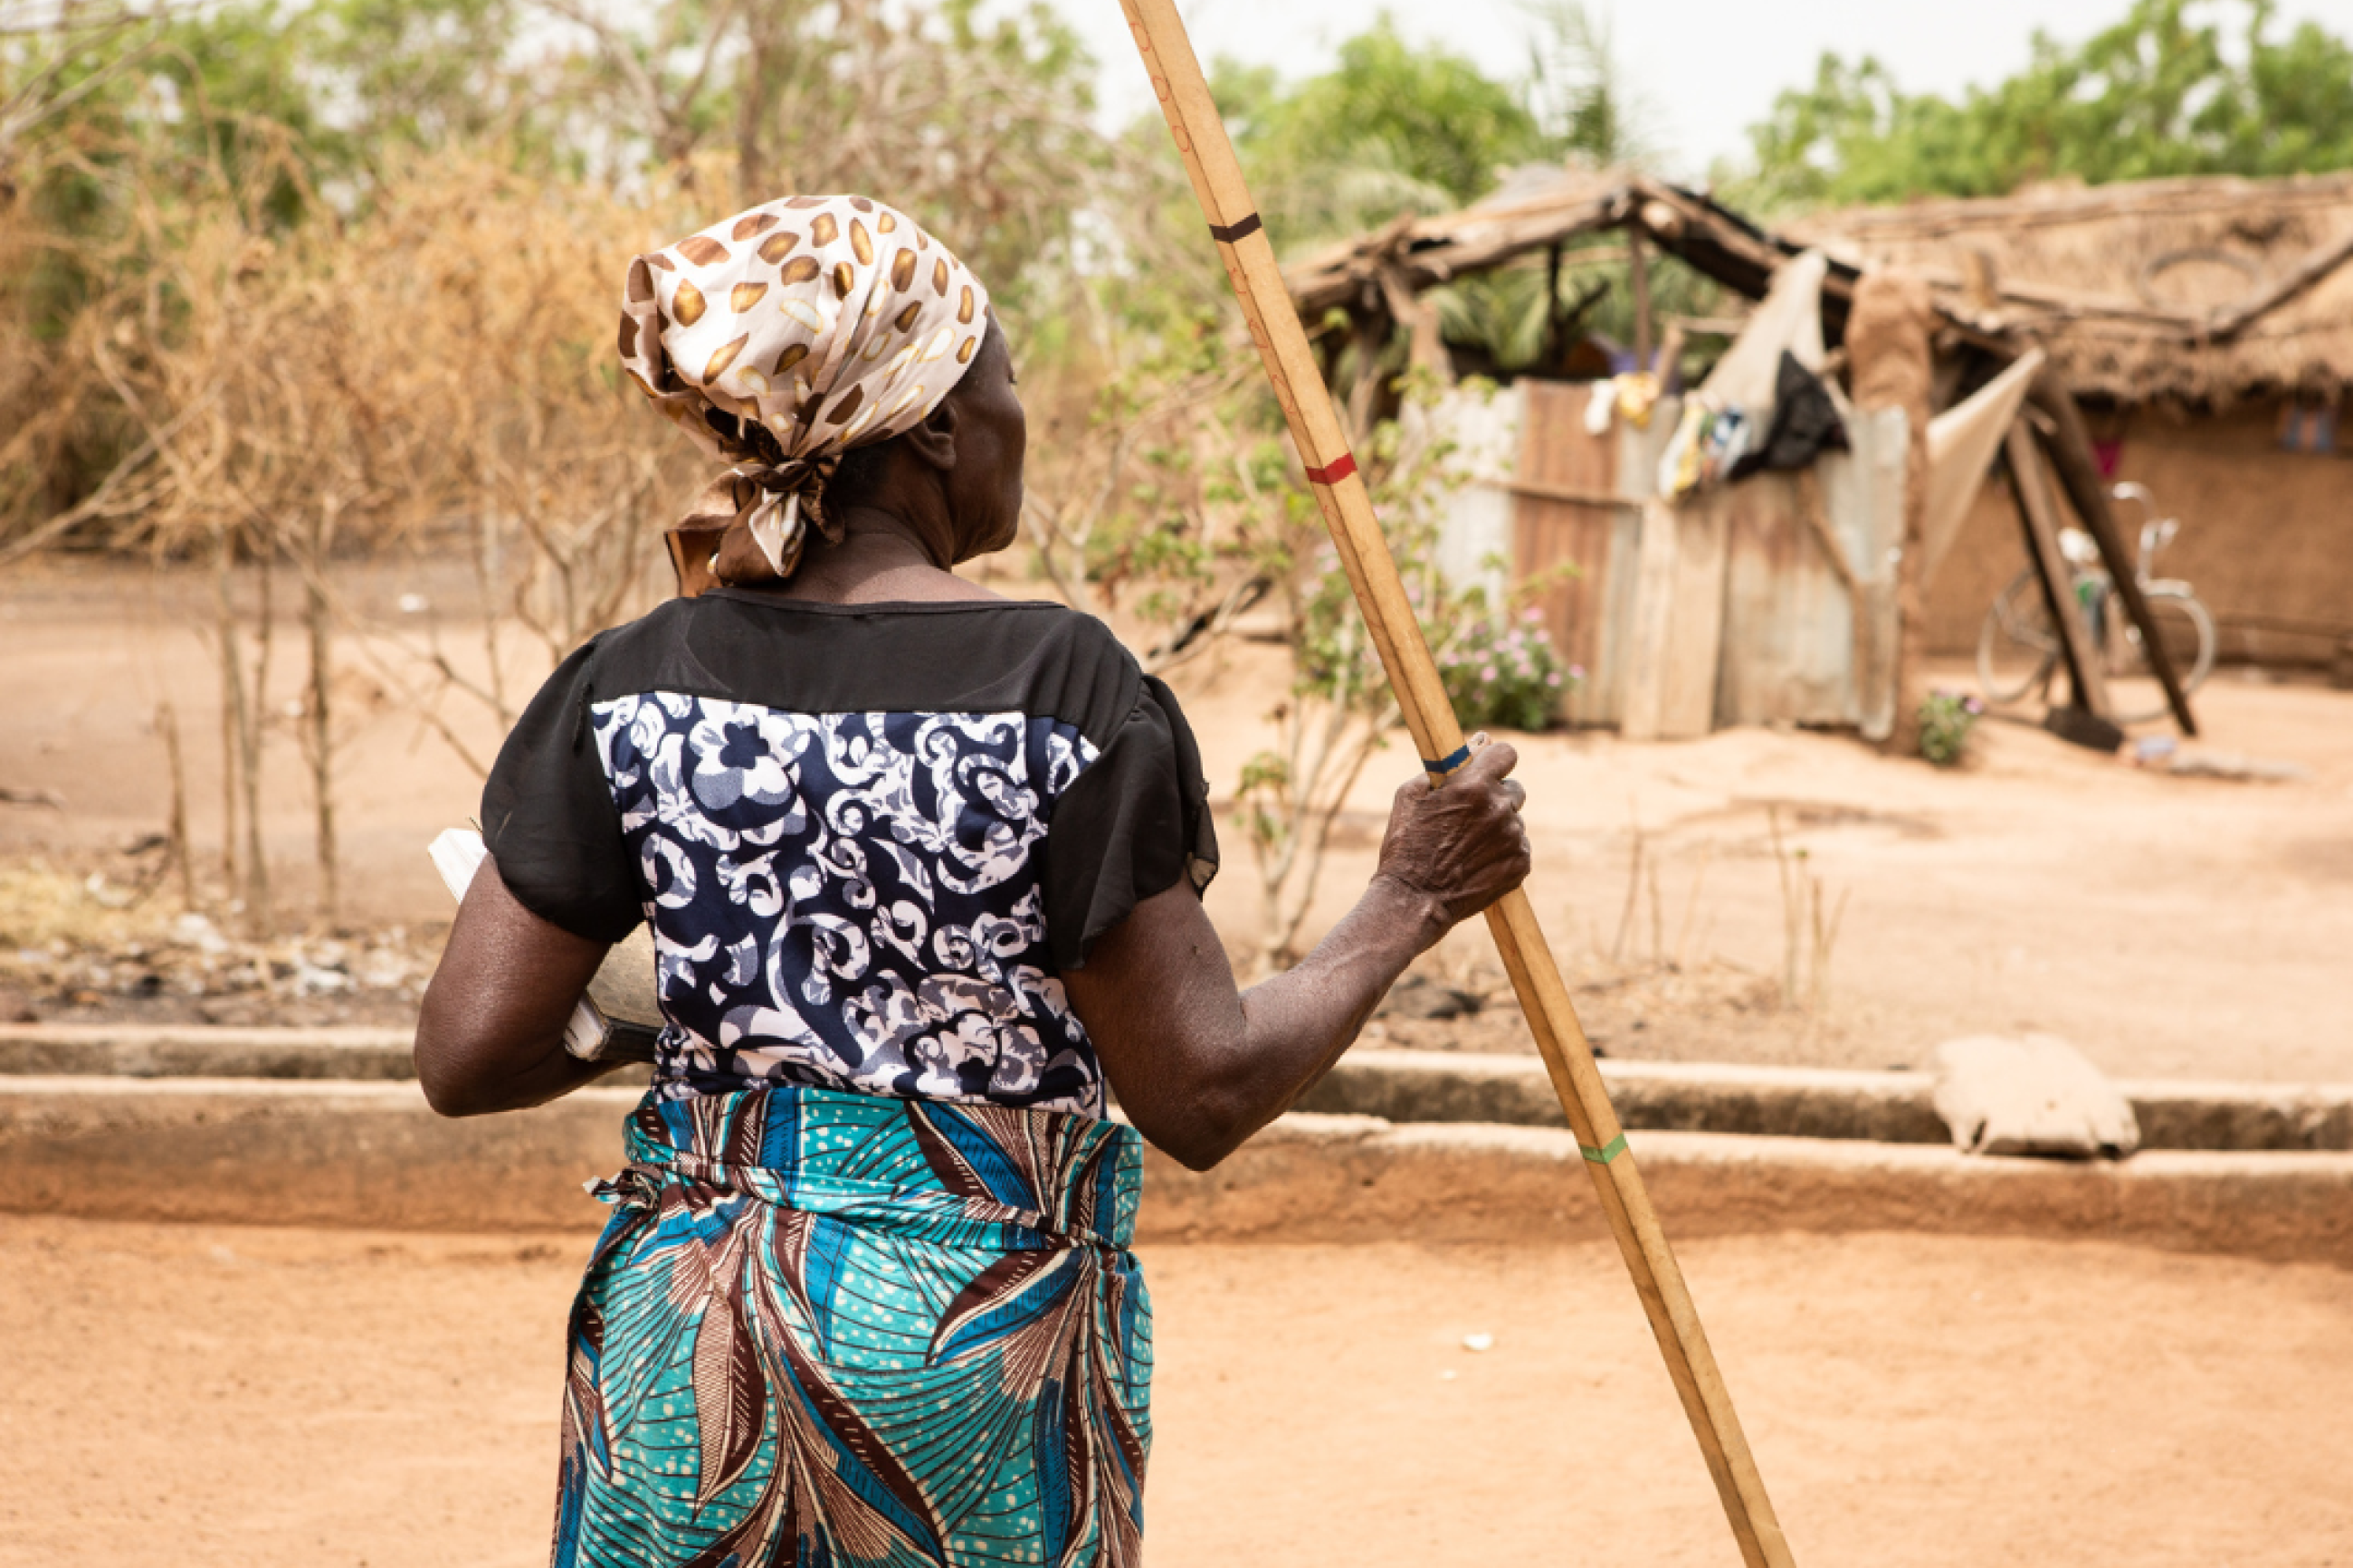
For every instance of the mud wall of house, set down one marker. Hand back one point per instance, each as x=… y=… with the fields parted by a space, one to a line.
x=2266 y=536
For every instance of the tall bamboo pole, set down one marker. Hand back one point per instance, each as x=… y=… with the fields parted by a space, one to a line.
x=1347 y=509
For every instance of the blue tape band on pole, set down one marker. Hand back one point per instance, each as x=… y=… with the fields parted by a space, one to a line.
x=1448 y=763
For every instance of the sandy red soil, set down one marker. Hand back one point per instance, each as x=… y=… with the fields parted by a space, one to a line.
x=304 y=1399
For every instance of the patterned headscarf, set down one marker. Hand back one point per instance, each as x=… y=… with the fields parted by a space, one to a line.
x=779 y=339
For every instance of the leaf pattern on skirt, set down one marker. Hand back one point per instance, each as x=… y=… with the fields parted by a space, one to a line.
x=840 y=1329
x=730 y=1395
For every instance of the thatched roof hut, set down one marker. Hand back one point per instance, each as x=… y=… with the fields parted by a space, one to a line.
x=2205 y=291
x=1538 y=208
x=2209 y=322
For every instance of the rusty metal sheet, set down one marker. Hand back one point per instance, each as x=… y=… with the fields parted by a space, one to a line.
x=1796 y=649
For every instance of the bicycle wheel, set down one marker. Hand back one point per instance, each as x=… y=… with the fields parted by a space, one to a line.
x=2018 y=645
x=2134 y=694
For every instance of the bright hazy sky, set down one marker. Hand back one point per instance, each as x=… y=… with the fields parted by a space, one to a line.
x=1707 y=68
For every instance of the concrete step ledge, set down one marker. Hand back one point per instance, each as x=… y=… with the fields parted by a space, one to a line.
x=1805 y=1103
x=1678 y=1097
x=1396 y=1085
x=371 y=1154
x=203 y=1050
x=1360 y=1179
x=353 y=1054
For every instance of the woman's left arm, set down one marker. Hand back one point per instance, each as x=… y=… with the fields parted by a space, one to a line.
x=1199 y=1066
x=491 y=1034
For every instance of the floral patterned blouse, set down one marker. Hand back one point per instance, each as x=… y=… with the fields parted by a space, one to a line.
x=870 y=839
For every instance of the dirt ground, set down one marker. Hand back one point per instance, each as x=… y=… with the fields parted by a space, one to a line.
x=2171 y=926
x=274 y=1398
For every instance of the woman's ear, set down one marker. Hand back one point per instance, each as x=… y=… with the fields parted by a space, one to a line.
x=933 y=441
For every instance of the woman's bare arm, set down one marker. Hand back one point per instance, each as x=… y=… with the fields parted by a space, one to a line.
x=491 y=1034
x=1199 y=1066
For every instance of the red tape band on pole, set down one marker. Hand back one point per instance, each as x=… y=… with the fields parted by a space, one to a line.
x=1334 y=472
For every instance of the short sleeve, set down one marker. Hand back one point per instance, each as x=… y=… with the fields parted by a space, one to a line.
x=1134 y=823
x=549 y=819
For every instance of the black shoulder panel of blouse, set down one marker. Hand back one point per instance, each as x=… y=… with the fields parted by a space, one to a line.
x=1134 y=822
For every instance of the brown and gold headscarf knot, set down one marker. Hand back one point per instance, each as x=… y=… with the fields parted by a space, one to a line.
x=777 y=341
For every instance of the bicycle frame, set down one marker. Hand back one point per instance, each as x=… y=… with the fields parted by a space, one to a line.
x=2088 y=576
x=2010 y=623
x=2155 y=533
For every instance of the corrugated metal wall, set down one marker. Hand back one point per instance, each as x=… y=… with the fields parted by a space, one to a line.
x=1797 y=647
x=1578 y=527
x=1725 y=610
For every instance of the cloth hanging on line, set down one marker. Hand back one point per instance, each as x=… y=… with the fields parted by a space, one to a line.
x=1710 y=441
x=1789 y=319
x=1805 y=423
x=1722 y=420
x=1962 y=442
x=1632 y=397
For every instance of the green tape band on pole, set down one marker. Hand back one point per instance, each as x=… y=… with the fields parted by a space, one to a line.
x=1606 y=1152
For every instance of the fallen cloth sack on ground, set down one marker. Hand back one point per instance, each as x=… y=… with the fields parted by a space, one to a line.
x=2031 y=1094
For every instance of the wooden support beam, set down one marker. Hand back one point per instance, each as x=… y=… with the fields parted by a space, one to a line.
x=1372 y=336
x=1890 y=344
x=2039 y=515
x=2317 y=264
x=1638 y=276
x=1550 y=358
x=2078 y=467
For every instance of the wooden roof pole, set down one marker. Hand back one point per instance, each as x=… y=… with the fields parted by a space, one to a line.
x=2037 y=513
x=1638 y=276
x=2078 y=470
x=1340 y=491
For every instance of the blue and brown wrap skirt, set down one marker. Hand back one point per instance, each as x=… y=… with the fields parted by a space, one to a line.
x=829 y=1328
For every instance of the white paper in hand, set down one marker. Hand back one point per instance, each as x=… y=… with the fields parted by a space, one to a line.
x=458 y=854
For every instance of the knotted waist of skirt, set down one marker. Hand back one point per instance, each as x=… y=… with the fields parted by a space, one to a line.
x=980 y=1175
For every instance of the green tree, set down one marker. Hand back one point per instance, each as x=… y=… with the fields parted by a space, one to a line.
x=1588 y=112
x=1399 y=127
x=1394 y=127
x=2171 y=89
x=1586 y=103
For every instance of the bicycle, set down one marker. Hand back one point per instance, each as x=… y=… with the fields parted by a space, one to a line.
x=2018 y=648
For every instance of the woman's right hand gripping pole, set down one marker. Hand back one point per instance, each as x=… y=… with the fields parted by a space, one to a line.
x=1199 y=1065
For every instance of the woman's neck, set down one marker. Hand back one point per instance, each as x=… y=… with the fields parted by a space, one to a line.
x=880 y=558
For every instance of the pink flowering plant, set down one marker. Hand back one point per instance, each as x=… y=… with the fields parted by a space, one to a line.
x=1506 y=674
x=1946 y=719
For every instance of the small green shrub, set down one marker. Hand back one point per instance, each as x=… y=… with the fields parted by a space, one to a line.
x=1507 y=674
x=1946 y=719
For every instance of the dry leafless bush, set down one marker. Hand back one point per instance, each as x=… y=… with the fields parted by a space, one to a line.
x=432 y=378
